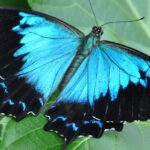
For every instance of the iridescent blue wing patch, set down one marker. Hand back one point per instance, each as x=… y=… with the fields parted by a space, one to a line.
x=111 y=86
x=35 y=52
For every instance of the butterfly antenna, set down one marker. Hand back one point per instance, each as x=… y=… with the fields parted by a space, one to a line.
x=93 y=12
x=122 y=21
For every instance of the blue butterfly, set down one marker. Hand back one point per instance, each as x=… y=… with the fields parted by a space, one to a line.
x=102 y=83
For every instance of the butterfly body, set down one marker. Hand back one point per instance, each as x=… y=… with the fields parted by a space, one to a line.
x=102 y=83
x=89 y=42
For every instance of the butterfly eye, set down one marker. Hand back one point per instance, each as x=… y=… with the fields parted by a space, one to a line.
x=94 y=29
x=98 y=30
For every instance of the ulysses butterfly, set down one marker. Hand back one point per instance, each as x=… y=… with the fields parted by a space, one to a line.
x=102 y=83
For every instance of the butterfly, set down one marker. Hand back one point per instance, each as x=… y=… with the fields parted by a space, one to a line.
x=102 y=83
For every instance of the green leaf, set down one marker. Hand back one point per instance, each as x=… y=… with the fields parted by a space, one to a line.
x=28 y=134
x=14 y=3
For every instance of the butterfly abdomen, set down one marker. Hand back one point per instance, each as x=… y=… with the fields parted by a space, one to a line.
x=83 y=51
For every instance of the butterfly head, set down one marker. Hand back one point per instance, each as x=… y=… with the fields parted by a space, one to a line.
x=97 y=31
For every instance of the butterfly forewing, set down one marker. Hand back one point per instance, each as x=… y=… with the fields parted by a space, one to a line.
x=36 y=50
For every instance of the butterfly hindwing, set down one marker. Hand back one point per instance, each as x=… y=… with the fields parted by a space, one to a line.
x=35 y=52
x=110 y=86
